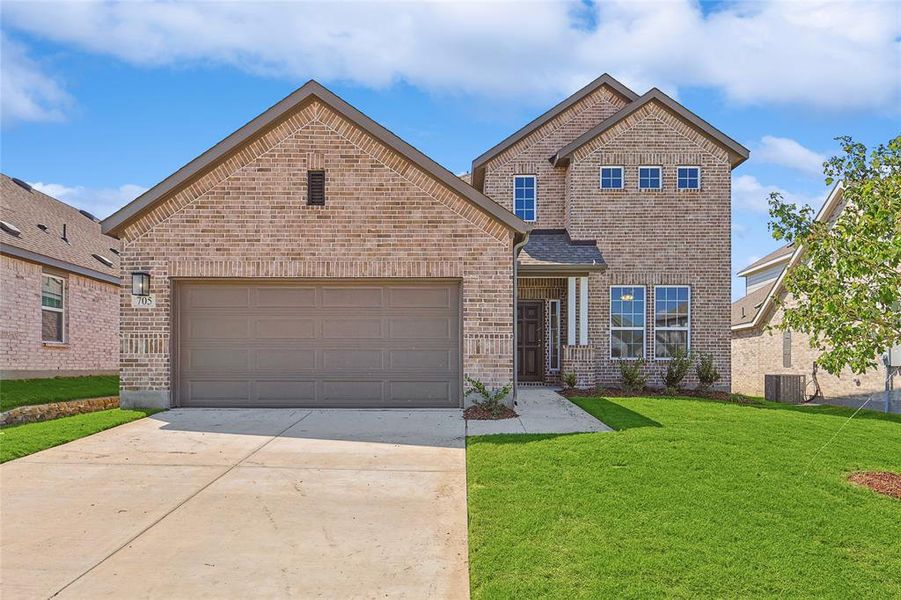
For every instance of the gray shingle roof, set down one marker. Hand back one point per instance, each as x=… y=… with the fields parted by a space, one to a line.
x=745 y=309
x=554 y=248
x=784 y=251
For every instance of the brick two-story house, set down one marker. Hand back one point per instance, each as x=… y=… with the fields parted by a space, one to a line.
x=313 y=258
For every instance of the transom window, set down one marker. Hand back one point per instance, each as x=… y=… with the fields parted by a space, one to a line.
x=611 y=178
x=649 y=178
x=53 y=298
x=689 y=178
x=672 y=320
x=627 y=322
x=524 y=197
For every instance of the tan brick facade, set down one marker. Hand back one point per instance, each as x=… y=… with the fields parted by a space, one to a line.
x=384 y=218
x=91 y=324
x=647 y=238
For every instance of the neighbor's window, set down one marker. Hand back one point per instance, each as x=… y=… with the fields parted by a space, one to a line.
x=787 y=348
x=689 y=178
x=554 y=338
x=524 y=197
x=627 y=326
x=672 y=319
x=649 y=178
x=611 y=178
x=52 y=308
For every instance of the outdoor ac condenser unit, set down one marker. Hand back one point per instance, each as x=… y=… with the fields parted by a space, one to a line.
x=785 y=388
x=894 y=357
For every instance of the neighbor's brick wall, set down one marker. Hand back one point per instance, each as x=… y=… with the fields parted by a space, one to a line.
x=92 y=322
x=384 y=218
x=757 y=352
x=530 y=156
x=666 y=237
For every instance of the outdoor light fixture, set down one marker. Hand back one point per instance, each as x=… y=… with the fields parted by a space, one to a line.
x=140 y=284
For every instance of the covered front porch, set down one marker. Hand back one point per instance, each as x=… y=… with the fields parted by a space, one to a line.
x=552 y=327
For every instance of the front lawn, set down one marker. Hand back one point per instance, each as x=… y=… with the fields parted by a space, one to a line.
x=24 y=392
x=17 y=441
x=690 y=498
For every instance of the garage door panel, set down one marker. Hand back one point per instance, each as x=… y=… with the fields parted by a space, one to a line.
x=330 y=344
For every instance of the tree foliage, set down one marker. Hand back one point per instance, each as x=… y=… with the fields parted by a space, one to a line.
x=846 y=289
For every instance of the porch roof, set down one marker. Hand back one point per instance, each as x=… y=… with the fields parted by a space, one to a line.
x=554 y=250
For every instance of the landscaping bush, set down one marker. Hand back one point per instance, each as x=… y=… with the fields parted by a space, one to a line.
x=569 y=380
x=633 y=376
x=492 y=400
x=706 y=372
x=676 y=371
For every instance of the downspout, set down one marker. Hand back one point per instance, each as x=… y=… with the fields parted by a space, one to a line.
x=516 y=248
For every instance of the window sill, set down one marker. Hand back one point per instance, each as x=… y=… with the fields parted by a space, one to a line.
x=58 y=345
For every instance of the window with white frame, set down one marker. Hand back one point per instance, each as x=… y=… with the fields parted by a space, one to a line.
x=554 y=337
x=672 y=320
x=688 y=178
x=611 y=178
x=524 y=197
x=650 y=178
x=53 y=299
x=627 y=322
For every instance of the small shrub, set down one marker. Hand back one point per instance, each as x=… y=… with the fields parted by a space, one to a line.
x=632 y=373
x=676 y=371
x=569 y=380
x=492 y=400
x=706 y=372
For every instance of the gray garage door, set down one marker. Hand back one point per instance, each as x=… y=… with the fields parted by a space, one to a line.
x=329 y=344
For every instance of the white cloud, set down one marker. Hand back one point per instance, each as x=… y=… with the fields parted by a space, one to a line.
x=739 y=230
x=786 y=152
x=29 y=94
x=817 y=54
x=750 y=195
x=100 y=202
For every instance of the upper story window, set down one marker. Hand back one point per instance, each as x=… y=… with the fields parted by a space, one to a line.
x=611 y=178
x=524 y=197
x=672 y=320
x=53 y=299
x=649 y=178
x=689 y=178
x=627 y=322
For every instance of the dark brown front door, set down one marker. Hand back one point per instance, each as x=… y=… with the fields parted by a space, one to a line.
x=530 y=343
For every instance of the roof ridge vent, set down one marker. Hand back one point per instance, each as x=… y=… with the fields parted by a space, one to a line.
x=88 y=215
x=21 y=184
x=10 y=228
x=103 y=259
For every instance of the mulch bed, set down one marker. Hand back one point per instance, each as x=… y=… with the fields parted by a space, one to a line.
x=883 y=482
x=480 y=413
x=617 y=393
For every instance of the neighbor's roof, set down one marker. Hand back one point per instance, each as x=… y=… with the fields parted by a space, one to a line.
x=737 y=153
x=309 y=92
x=745 y=309
x=478 y=165
x=39 y=220
x=553 y=249
x=775 y=257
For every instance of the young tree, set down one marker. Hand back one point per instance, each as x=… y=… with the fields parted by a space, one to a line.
x=847 y=286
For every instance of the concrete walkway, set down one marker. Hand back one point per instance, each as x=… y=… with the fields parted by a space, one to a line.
x=541 y=410
x=243 y=504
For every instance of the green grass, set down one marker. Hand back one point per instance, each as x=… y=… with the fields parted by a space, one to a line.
x=17 y=441
x=689 y=498
x=24 y=392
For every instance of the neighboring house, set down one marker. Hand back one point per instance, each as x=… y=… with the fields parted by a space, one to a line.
x=759 y=348
x=59 y=288
x=312 y=258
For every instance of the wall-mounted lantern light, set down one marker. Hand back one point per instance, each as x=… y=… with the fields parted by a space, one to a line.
x=140 y=284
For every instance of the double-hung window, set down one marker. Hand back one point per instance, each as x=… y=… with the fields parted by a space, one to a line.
x=649 y=178
x=688 y=178
x=627 y=322
x=672 y=320
x=611 y=178
x=524 y=197
x=53 y=299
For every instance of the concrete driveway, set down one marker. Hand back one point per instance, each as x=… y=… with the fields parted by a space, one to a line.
x=202 y=503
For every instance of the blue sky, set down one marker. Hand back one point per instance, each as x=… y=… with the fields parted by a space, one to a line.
x=101 y=101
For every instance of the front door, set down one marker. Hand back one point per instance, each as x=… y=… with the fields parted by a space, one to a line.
x=530 y=340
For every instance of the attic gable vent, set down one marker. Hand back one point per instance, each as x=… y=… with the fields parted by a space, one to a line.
x=21 y=184
x=316 y=188
x=103 y=259
x=10 y=228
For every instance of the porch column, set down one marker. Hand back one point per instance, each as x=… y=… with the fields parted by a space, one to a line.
x=571 y=312
x=583 y=311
